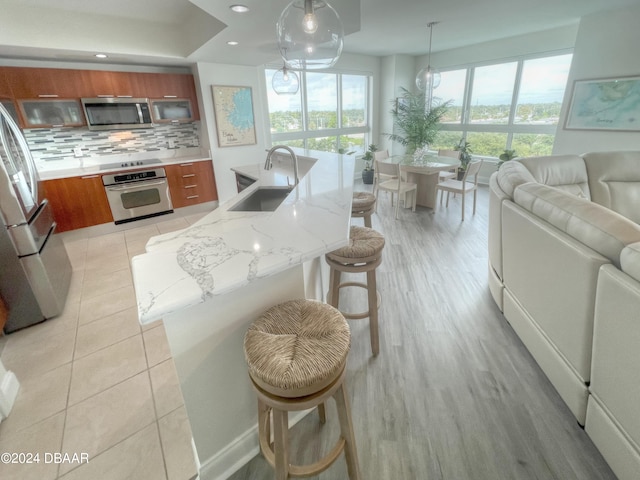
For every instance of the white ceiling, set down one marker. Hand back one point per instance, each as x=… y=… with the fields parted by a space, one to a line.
x=182 y=32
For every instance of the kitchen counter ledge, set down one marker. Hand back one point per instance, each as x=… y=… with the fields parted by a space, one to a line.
x=77 y=167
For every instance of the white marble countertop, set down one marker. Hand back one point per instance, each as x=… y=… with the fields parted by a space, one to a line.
x=75 y=167
x=226 y=250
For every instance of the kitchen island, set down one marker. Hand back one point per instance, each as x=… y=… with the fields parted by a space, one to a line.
x=209 y=282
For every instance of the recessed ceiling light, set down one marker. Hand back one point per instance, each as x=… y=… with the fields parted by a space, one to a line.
x=233 y=43
x=101 y=55
x=239 y=8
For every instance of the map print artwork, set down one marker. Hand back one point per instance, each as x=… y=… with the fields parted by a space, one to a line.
x=233 y=108
x=606 y=104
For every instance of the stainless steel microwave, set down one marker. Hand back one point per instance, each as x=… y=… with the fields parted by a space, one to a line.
x=114 y=113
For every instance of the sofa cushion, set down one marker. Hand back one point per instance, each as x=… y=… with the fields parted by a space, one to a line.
x=566 y=172
x=614 y=181
x=630 y=260
x=597 y=227
x=511 y=175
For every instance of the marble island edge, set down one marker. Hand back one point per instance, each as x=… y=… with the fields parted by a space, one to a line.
x=227 y=249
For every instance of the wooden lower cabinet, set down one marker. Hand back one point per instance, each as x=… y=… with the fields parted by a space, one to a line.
x=78 y=202
x=191 y=183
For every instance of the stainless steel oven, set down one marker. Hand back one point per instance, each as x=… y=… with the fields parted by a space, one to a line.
x=136 y=195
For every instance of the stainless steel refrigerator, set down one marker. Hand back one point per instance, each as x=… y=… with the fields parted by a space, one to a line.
x=35 y=271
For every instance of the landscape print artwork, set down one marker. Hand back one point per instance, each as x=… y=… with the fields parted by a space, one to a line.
x=605 y=104
x=233 y=108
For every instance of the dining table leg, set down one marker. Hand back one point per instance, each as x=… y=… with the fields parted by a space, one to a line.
x=427 y=192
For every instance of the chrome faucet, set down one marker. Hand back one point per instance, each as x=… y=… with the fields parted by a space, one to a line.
x=294 y=158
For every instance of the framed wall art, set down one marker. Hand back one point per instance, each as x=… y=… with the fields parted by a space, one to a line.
x=605 y=104
x=233 y=108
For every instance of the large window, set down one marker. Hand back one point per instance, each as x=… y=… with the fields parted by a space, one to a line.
x=330 y=112
x=511 y=105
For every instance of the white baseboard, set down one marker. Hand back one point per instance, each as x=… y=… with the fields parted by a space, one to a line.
x=238 y=453
x=9 y=387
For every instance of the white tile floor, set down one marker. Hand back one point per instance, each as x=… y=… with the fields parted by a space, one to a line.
x=93 y=380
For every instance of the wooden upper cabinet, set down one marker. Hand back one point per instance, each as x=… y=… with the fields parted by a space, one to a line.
x=129 y=84
x=169 y=85
x=5 y=89
x=26 y=82
x=173 y=86
x=98 y=83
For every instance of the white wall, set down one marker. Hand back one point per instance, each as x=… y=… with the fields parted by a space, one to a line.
x=606 y=46
x=548 y=41
x=208 y=74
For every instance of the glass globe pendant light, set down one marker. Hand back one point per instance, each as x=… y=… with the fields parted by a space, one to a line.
x=285 y=82
x=310 y=35
x=428 y=78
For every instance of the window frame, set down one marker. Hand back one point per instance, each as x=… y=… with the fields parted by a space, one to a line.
x=510 y=128
x=305 y=133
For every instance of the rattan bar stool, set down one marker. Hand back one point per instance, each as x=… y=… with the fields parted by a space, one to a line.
x=296 y=352
x=363 y=205
x=363 y=254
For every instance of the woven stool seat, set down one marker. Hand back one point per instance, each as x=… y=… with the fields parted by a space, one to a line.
x=363 y=243
x=296 y=352
x=297 y=348
x=363 y=205
x=362 y=255
x=362 y=201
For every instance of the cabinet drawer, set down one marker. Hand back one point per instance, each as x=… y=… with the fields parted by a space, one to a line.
x=191 y=183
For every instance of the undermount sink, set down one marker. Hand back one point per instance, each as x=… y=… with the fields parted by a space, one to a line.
x=263 y=199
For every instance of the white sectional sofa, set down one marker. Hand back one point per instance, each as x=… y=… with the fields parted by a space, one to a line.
x=564 y=267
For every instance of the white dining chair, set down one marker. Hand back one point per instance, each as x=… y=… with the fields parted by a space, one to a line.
x=447 y=174
x=379 y=155
x=463 y=186
x=394 y=184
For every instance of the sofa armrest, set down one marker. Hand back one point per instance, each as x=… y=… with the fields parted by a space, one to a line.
x=512 y=175
x=597 y=227
x=630 y=260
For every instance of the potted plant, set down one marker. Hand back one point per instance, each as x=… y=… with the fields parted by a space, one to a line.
x=416 y=124
x=464 y=148
x=367 y=173
x=506 y=156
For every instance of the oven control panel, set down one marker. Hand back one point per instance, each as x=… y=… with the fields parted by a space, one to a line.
x=128 y=177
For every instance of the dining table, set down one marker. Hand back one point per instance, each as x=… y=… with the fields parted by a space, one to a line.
x=424 y=172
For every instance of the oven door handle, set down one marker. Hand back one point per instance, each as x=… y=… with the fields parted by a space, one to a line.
x=132 y=186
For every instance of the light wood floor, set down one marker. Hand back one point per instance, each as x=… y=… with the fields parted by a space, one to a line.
x=453 y=394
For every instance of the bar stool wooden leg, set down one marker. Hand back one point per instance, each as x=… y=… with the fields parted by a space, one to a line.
x=372 y=296
x=346 y=428
x=264 y=424
x=281 y=443
x=334 y=288
x=322 y=413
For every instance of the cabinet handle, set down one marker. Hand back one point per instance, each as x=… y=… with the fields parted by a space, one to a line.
x=57 y=126
x=186 y=164
x=192 y=197
x=90 y=176
x=191 y=186
x=189 y=175
x=170 y=96
x=175 y=121
x=125 y=96
x=48 y=96
x=105 y=96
